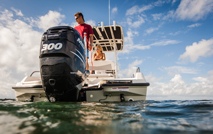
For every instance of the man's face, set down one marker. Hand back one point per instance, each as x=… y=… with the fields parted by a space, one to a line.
x=77 y=19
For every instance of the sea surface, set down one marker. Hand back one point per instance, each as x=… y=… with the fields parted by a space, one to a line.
x=147 y=117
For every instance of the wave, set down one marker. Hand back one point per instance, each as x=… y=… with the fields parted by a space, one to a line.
x=167 y=116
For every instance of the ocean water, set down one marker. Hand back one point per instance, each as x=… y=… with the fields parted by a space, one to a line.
x=148 y=117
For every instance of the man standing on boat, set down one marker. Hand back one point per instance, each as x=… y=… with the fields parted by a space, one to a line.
x=83 y=27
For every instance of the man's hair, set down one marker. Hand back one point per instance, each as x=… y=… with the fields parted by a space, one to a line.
x=79 y=14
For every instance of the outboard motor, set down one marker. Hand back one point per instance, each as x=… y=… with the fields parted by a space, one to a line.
x=62 y=63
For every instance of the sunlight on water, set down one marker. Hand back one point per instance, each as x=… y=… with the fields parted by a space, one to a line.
x=126 y=117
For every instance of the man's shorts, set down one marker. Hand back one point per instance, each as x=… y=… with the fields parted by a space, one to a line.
x=88 y=53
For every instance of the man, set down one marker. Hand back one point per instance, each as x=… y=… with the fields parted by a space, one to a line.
x=83 y=27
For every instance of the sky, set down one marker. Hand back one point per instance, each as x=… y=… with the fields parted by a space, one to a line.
x=170 y=40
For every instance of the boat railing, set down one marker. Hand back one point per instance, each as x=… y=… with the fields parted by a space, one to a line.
x=32 y=78
x=34 y=73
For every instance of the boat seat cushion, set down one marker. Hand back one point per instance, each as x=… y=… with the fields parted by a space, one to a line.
x=100 y=72
x=102 y=65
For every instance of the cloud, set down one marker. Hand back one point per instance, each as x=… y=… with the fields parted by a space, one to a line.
x=194 y=9
x=74 y=24
x=18 y=12
x=163 y=43
x=194 y=25
x=203 y=48
x=52 y=18
x=211 y=73
x=152 y=29
x=176 y=33
x=114 y=10
x=20 y=45
x=180 y=70
x=177 y=79
x=169 y=15
x=178 y=87
x=18 y=39
x=144 y=8
x=150 y=78
x=200 y=79
x=173 y=1
x=130 y=45
x=132 y=10
x=158 y=43
x=141 y=47
x=128 y=40
x=157 y=16
x=190 y=10
x=189 y=26
x=135 y=63
x=136 y=9
x=6 y=83
x=128 y=72
x=5 y=16
x=91 y=22
x=137 y=23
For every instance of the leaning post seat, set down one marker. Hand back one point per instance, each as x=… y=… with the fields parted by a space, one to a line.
x=102 y=68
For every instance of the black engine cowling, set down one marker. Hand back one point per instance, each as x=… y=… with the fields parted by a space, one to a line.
x=62 y=63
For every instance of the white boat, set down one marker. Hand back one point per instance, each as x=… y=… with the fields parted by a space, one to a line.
x=101 y=86
x=30 y=88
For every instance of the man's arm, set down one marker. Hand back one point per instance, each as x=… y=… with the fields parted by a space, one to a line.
x=91 y=41
x=91 y=38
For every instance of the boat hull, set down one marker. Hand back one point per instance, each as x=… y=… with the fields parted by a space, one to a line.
x=117 y=93
x=32 y=94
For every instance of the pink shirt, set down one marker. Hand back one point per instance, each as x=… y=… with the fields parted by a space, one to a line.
x=84 y=28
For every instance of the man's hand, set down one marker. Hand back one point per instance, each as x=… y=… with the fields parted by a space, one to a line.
x=90 y=47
